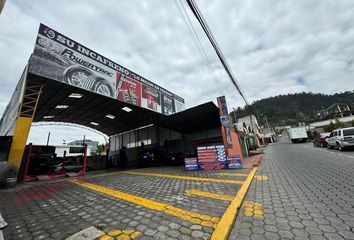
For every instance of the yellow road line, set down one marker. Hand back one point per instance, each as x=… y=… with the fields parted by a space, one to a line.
x=234 y=174
x=252 y=209
x=209 y=195
x=197 y=218
x=121 y=234
x=223 y=228
x=184 y=177
x=258 y=177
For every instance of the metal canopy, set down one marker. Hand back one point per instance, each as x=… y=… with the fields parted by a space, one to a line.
x=93 y=108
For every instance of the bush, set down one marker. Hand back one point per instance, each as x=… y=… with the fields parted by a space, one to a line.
x=334 y=125
x=254 y=146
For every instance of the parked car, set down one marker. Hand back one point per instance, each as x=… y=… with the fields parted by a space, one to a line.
x=320 y=141
x=341 y=138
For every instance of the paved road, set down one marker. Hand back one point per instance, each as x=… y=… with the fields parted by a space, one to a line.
x=309 y=194
x=153 y=203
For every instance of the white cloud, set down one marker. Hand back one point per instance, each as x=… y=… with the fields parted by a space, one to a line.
x=268 y=44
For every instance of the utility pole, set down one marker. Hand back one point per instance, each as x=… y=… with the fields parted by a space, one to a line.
x=234 y=110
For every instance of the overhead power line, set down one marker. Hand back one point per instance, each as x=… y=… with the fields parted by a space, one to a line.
x=197 y=42
x=216 y=47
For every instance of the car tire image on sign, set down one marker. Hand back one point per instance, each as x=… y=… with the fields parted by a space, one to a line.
x=76 y=75
x=102 y=86
x=84 y=78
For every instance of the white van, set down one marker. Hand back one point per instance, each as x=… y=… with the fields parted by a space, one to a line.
x=341 y=138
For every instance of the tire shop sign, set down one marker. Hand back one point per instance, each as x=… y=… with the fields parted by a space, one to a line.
x=61 y=58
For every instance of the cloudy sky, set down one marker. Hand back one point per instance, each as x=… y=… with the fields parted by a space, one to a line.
x=273 y=47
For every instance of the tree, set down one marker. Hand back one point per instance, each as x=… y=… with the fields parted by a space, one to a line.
x=100 y=149
x=340 y=124
x=330 y=127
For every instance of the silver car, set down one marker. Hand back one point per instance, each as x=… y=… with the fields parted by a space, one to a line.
x=341 y=138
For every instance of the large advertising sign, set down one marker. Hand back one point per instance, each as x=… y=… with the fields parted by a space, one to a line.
x=63 y=59
x=8 y=119
x=212 y=157
x=225 y=119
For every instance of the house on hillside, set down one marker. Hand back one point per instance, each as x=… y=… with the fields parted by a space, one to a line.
x=337 y=110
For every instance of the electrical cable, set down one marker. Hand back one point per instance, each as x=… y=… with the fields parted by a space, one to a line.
x=220 y=55
x=198 y=44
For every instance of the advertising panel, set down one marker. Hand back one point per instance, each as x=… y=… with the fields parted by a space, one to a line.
x=128 y=90
x=151 y=99
x=224 y=119
x=60 y=58
x=234 y=162
x=179 y=104
x=212 y=157
x=8 y=119
x=168 y=105
x=191 y=163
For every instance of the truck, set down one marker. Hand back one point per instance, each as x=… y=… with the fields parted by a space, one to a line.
x=298 y=134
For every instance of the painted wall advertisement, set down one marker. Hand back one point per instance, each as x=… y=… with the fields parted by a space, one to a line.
x=63 y=59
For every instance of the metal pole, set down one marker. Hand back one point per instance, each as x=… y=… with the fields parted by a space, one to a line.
x=48 y=138
x=83 y=144
x=251 y=124
x=85 y=154
x=64 y=158
x=266 y=121
x=27 y=160
x=234 y=116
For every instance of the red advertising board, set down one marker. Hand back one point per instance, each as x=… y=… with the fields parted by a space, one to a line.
x=129 y=90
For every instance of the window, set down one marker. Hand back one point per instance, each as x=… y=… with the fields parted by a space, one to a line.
x=339 y=133
x=348 y=132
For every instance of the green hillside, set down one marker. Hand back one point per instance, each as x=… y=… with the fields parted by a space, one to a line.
x=293 y=108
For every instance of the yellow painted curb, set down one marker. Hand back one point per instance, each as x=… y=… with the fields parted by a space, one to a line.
x=223 y=228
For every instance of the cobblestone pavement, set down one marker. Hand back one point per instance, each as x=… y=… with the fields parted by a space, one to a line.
x=152 y=203
x=309 y=194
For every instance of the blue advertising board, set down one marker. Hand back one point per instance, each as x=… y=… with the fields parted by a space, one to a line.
x=191 y=163
x=234 y=162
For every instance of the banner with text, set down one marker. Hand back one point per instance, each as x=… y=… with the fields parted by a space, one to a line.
x=63 y=59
